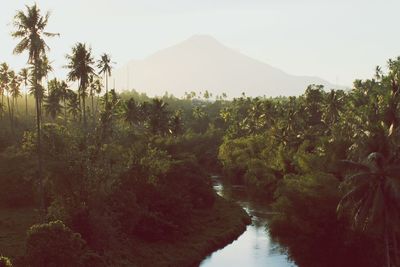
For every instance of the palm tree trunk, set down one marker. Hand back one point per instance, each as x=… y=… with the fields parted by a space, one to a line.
x=97 y=103
x=38 y=103
x=26 y=105
x=386 y=237
x=16 y=106
x=395 y=249
x=39 y=151
x=2 y=103
x=12 y=109
x=65 y=112
x=93 y=114
x=9 y=113
x=106 y=90
x=80 y=103
x=84 y=112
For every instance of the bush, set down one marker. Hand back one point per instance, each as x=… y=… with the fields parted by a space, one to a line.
x=17 y=186
x=5 y=262
x=55 y=245
x=155 y=208
x=306 y=223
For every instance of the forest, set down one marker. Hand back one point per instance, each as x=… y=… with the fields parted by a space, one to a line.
x=93 y=176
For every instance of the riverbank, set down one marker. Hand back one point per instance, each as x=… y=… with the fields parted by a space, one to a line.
x=209 y=230
x=13 y=226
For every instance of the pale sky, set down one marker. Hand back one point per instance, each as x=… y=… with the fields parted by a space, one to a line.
x=336 y=40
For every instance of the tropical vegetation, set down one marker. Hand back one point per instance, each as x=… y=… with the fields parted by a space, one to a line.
x=109 y=178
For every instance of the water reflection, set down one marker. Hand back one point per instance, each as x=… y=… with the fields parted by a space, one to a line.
x=254 y=247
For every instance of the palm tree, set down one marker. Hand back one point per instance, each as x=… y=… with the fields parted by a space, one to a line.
x=73 y=103
x=4 y=81
x=6 y=76
x=63 y=92
x=81 y=68
x=95 y=88
x=332 y=107
x=30 y=29
x=46 y=66
x=15 y=91
x=373 y=197
x=132 y=112
x=104 y=64
x=98 y=92
x=44 y=69
x=24 y=74
x=52 y=103
x=158 y=116
x=176 y=123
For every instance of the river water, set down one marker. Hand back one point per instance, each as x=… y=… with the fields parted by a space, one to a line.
x=254 y=247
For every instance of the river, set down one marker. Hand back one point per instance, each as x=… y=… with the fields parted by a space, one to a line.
x=254 y=247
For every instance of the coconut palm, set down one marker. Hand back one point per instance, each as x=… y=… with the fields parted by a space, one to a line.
x=73 y=104
x=332 y=107
x=176 y=123
x=104 y=64
x=373 y=197
x=4 y=81
x=24 y=75
x=63 y=92
x=52 y=103
x=6 y=76
x=158 y=120
x=15 y=92
x=95 y=88
x=30 y=29
x=132 y=112
x=81 y=68
x=98 y=92
x=45 y=69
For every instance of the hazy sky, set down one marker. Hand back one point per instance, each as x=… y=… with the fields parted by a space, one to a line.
x=337 y=40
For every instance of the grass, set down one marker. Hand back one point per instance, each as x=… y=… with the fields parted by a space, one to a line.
x=13 y=226
x=209 y=230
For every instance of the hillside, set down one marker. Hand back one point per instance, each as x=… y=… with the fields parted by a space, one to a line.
x=202 y=63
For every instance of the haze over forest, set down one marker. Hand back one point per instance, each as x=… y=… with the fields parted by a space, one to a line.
x=327 y=39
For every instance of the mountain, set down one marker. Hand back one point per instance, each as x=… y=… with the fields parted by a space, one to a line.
x=202 y=63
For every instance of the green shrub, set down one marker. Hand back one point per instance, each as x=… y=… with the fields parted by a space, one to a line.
x=54 y=245
x=16 y=183
x=5 y=262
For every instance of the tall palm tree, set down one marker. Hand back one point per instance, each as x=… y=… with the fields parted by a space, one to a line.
x=52 y=102
x=15 y=91
x=6 y=78
x=158 y=120
x=45 y=69
x=4 y=81
x=73 y=104
x=373 y=197
x=104 y=64
x=24 y=74
x=95 y=88
x=176 y=123
x=30 y=29
x=332 y=107
x=98 y=92
x=132 y=112
x=81 y=68
x=63 y=92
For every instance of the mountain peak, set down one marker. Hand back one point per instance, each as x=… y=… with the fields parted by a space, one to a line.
x=203 y=63
x=202 y=40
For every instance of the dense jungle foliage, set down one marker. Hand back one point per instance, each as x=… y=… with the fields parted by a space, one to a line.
x=109 y=171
